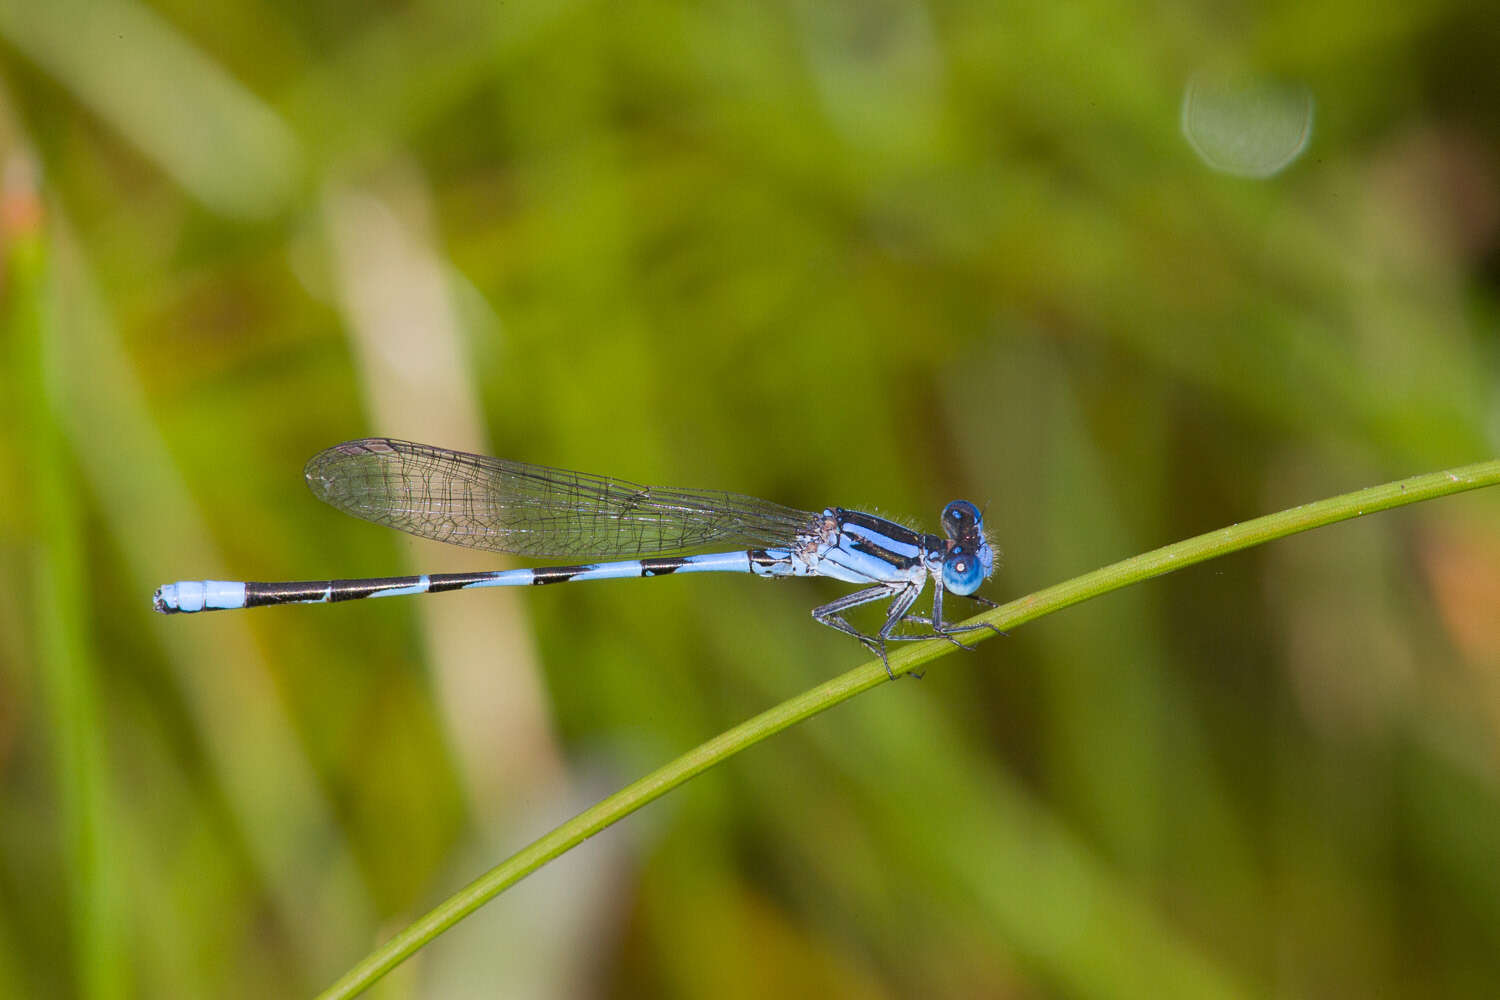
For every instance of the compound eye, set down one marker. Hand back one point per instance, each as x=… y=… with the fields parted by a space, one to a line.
x=960 y=518
x=962 y=571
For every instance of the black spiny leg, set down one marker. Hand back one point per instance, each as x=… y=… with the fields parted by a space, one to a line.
x=894 y=616
x=946 y=631
x=903 y=597
x=832 y=614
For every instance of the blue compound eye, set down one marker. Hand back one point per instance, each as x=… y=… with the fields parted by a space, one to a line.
x=960 y=520
x=963 y=570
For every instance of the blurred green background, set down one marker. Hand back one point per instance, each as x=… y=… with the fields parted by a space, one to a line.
x=1119 y=274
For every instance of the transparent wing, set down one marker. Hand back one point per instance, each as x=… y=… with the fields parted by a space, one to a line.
x=531 y=510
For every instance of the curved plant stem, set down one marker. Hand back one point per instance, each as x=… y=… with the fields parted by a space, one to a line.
x=1017 y=612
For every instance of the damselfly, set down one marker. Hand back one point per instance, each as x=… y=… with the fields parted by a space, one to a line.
x=532 y=510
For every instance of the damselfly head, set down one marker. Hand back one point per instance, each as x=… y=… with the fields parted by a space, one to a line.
x=969 y=560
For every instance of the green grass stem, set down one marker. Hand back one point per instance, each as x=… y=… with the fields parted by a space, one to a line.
x=1136 y=569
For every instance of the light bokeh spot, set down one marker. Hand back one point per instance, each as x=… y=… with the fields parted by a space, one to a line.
x=1245 y=126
